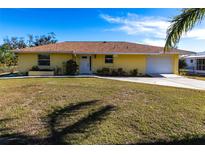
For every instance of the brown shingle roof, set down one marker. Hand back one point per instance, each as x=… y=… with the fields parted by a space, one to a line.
x=94 y=47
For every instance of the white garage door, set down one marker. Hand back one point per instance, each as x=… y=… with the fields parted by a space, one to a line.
x=159 y=65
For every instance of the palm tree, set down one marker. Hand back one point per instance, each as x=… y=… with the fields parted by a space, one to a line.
x=181 y=24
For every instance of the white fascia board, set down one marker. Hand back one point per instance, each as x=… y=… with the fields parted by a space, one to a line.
x=195 y=57
x=69 y=52
x=126 y=53
x=99 y=53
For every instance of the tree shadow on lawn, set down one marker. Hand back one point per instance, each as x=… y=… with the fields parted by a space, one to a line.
x=57 y=133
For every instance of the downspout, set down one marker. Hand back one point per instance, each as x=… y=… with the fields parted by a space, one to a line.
x=74 y=55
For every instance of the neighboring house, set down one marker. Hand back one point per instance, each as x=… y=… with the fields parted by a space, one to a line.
x=186 y=53
x=195 y=63
x=91 y=56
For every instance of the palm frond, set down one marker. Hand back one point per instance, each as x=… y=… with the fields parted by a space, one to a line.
x=181 y=24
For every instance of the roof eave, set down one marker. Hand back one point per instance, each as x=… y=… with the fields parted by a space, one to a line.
x=97 y=52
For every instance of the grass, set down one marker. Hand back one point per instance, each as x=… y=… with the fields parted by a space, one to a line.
x=196 y=77
x=97 y=111
x=193 y=76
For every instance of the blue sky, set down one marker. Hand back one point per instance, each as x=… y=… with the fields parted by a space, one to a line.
x=147 y=26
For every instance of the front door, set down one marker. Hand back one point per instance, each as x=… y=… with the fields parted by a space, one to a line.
x=85 y=67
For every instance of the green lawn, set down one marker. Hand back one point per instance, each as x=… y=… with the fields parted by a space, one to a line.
x=196 y=77
x=193 y=76
x=97 y=111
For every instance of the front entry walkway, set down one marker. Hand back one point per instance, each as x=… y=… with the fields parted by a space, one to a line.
x=167 y=80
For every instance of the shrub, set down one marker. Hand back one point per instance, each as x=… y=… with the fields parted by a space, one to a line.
x=35 y=68
x=58 y=70
x=71 y=67
x=121 y=72
x=134 y=72
x=103 y=71
x=99 y=72
x=7 y=57
x=182 y=63
x=114 y=72
x=183 y=72
x=47 y=69
x=106 y=71
x=5 y=68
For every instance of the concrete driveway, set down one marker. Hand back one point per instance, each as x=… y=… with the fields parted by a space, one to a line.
x=167 y=80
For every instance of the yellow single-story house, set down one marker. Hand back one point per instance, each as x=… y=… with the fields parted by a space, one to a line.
x=91 y=56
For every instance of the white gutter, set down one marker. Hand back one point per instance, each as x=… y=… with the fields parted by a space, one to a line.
x=99 y=53
x=127 y=53
x=199 y=56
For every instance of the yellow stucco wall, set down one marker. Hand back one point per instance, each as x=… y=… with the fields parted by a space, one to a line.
x=175 y=59
x=128 y=62
x=56 y=60
x=27 y=60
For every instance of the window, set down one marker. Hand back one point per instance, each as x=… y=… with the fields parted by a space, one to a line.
x=84 y=57
x=191 y=61
x=44 y=60
x=200 y=64
x=109 y=59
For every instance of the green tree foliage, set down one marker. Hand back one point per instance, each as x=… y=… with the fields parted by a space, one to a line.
x=9 y=58
x=181 y=24
x=14 y=43
x=31 y=41
x=71 y=67
x=41 y=40
x=182 y=63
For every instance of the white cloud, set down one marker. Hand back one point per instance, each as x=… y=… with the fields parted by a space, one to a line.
x=134 y=24
x=149 y=26
x=196 y=34
x=155 y=42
